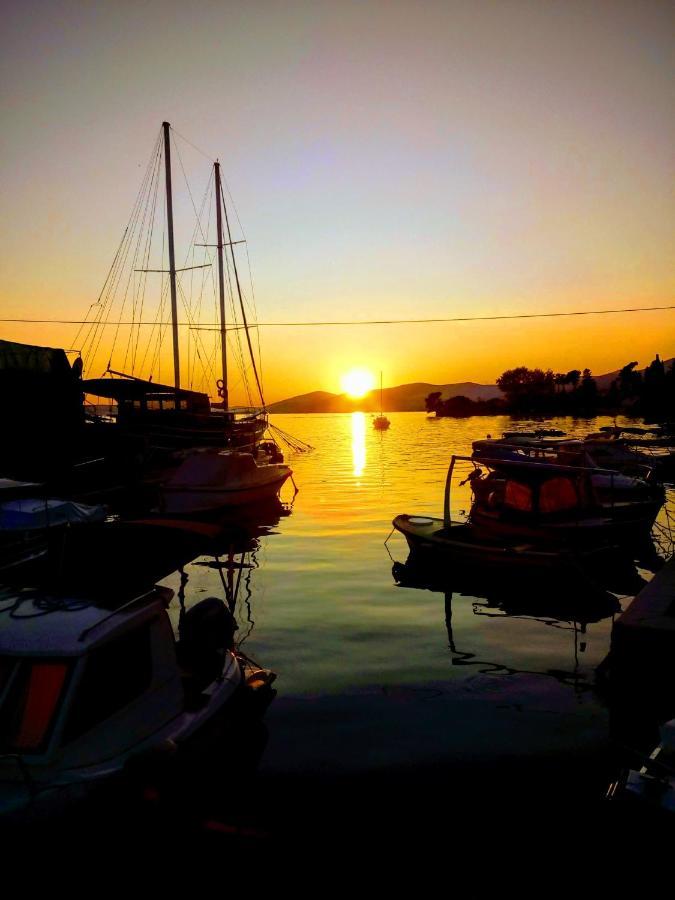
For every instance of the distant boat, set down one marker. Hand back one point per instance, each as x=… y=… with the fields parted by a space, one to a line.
x=381 y=422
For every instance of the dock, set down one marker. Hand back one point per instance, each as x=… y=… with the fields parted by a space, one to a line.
x=642 y=656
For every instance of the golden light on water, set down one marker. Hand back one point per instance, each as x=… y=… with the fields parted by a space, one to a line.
x=357 y=382
x=359 y=442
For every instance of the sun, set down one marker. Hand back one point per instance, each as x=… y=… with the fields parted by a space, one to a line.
x=357 y=382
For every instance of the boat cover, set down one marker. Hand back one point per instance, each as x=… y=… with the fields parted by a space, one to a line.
x=28 y=358
x=34 y=513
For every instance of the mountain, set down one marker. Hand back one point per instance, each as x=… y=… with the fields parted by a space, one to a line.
x=404 y=398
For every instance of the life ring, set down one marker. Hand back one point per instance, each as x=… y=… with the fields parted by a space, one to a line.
x=221 y=387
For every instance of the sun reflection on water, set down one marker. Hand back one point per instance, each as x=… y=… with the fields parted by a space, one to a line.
x=359 y=443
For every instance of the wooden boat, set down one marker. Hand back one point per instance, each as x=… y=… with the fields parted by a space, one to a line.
x=536 y=516
x=628 y=492
x=460 y=543
x=206 y=482
x=381 y=422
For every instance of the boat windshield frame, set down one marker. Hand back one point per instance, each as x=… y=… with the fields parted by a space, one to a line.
x=538 y=467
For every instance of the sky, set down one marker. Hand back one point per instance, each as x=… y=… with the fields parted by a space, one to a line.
x=387 y=160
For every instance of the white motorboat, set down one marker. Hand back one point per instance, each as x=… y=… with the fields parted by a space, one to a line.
x=87 y=686
x=207 y=481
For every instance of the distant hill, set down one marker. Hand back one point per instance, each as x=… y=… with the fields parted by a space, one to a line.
x=404 y=398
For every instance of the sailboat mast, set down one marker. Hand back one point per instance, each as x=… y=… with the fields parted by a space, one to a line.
x=172 y=257
x=230 y=244
x=221 y=286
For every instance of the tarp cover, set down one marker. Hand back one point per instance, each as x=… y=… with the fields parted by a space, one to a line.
x=25 y=515
x=28 y=358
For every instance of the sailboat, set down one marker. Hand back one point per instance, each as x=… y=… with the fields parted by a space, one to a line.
x=381 y=422
x=170 y=417
x=224 y=461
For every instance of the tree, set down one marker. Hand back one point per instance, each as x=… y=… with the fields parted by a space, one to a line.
x=573 y=378
x=629 y=381
x=560 y=380
x=588 y=391
x=432 y=401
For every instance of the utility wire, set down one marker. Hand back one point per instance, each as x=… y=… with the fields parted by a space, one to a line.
x=210 y=325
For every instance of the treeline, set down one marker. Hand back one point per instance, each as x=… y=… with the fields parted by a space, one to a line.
x=650 y=394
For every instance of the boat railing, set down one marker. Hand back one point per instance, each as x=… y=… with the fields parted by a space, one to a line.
x=553 y=468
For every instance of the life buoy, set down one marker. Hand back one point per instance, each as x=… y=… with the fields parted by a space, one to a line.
x=221 y=387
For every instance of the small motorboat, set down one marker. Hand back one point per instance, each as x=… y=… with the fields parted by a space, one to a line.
x=460 y=544
x=210 y=481
x=90 y=682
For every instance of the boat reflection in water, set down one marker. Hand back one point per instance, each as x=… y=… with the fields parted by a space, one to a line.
x=570 y=604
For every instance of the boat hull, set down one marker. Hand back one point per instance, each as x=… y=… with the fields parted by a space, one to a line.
x=459 y=544
x=196 y=499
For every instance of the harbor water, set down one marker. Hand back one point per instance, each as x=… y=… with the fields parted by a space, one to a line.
x=470 y=692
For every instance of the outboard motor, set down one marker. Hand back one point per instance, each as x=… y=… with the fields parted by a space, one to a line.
x=206 y=633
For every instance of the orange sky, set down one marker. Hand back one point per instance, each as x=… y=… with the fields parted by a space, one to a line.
x=388 y=160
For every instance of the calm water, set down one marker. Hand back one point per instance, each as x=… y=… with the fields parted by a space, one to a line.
x=369 y=678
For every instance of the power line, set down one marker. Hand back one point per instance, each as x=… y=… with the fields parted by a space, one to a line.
x=216 y=325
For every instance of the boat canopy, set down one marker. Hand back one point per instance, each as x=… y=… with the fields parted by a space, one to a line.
x=130 y=390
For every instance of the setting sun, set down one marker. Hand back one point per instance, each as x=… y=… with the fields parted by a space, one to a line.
x=357 y=382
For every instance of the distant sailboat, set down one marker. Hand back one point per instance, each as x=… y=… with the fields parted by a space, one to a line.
x=381 y=422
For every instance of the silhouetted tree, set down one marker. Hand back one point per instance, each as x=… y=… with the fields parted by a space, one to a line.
x=432 y=401
x=588 y=392
x=573 y=378
x=629 y=381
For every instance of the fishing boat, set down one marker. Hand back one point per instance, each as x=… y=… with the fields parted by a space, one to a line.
x=211 y=481
x=632 y=491
x=381 y=422
x=171 y=416
x=535 y=516
x=460 y=544
x=551 y=502
x=93 y=678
